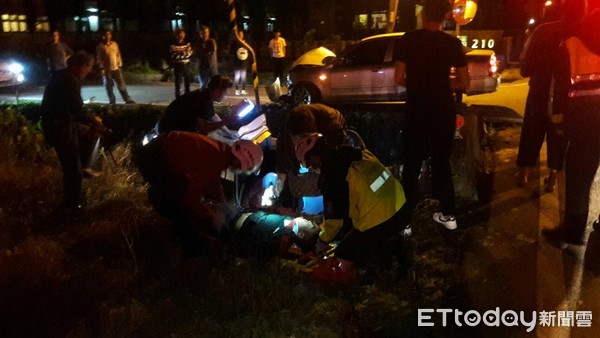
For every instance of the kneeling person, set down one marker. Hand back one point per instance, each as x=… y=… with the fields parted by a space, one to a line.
x=359 y=189
x=186 y=187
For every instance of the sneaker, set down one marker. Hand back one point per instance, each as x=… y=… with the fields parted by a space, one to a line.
x=244 y=92
x=449 y=221
x=237 y=92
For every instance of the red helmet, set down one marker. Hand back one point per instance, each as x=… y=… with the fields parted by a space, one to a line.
x=337 y=270
x=305 y=144
x=249 y=154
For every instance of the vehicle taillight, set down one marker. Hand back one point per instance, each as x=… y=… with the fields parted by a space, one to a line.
x=493 y=65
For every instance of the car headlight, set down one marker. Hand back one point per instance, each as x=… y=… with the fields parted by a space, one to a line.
x=15 y=68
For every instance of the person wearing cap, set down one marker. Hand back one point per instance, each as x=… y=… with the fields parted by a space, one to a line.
x=359 y=189
x=302 y=121
x=187 y=187
x=194 y=111
x=63 y=119
x=181 y=56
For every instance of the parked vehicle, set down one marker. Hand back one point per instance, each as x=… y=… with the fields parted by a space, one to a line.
x=364 y=72
x=11 y=73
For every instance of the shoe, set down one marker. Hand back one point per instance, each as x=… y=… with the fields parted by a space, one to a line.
x=521 y=178
x=130 y=101
x=244 y=92
x=237 y=92
x=596 y=225
x=449 y=221
x=91 y=173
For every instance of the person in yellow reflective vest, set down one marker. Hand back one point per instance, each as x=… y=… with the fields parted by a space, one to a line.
x=577 y=96
x=361 y=201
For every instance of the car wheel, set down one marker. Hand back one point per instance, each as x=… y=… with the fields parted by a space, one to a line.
x=305 y=94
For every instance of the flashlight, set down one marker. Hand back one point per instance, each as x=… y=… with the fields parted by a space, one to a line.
x=248 y=106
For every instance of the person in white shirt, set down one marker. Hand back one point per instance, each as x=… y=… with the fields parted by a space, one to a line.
x=109 y=61
x=277 y=47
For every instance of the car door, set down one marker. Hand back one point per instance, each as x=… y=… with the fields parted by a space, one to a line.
x=359 y=74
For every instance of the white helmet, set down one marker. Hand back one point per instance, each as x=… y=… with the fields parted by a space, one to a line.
x=305 y=144
x=249 y=154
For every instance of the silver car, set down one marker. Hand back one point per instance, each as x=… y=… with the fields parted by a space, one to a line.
x=11 y=73
x=365 y=72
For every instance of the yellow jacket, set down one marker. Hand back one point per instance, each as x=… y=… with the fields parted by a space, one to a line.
x=374 y=196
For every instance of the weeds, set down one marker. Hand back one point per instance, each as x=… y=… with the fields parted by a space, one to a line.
x=115 y=270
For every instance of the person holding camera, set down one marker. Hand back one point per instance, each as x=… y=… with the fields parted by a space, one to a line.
x=64 y=121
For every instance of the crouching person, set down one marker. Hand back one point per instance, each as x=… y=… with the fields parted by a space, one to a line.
x=361 y=201
x=183 y=170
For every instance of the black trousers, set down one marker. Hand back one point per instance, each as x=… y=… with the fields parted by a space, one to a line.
x=72 y=150
x=278 y=65
x=112 y=77
x=182 y=73
x=428 y=132
x=371 y=247
x=536 y=127
x=583 y=156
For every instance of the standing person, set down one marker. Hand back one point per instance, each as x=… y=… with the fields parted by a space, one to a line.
x=577 y=96
x=206 y=51
x=424 y=59
x=62 y=117
x=277 y=46
x=195 y=112
x=240 y=64
x=108 y=56
x=58 y=54
x=538 y=119
x=181 y=54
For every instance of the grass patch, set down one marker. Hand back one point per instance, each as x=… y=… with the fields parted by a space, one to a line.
x=116 y=271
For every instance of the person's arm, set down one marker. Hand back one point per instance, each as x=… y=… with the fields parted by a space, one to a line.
x=100 y=58
x=68 y=51
x=400 y=73
x=119 y=59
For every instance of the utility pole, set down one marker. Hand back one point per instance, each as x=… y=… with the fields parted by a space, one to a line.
x=392 y=14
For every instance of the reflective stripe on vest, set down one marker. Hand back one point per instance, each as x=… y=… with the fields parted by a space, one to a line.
x=378 y=183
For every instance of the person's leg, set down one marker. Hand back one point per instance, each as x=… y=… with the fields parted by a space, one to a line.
x=187 y=77
x=178 y=74
x=236 y=79
x=108 y=84
x=441 y=171
x=533 y=133
x=67 y=150
x=118 y=75
x=415 y=151
x=243 y=72
x=556 y=147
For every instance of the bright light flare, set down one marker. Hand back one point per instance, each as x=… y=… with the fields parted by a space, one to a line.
x=15 y=68
x=548 y=3
x=322 y=77
x=532 y=21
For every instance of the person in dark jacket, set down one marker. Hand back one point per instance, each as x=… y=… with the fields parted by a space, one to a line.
x=206 y=52
x=577 y=96
x=64 y=120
